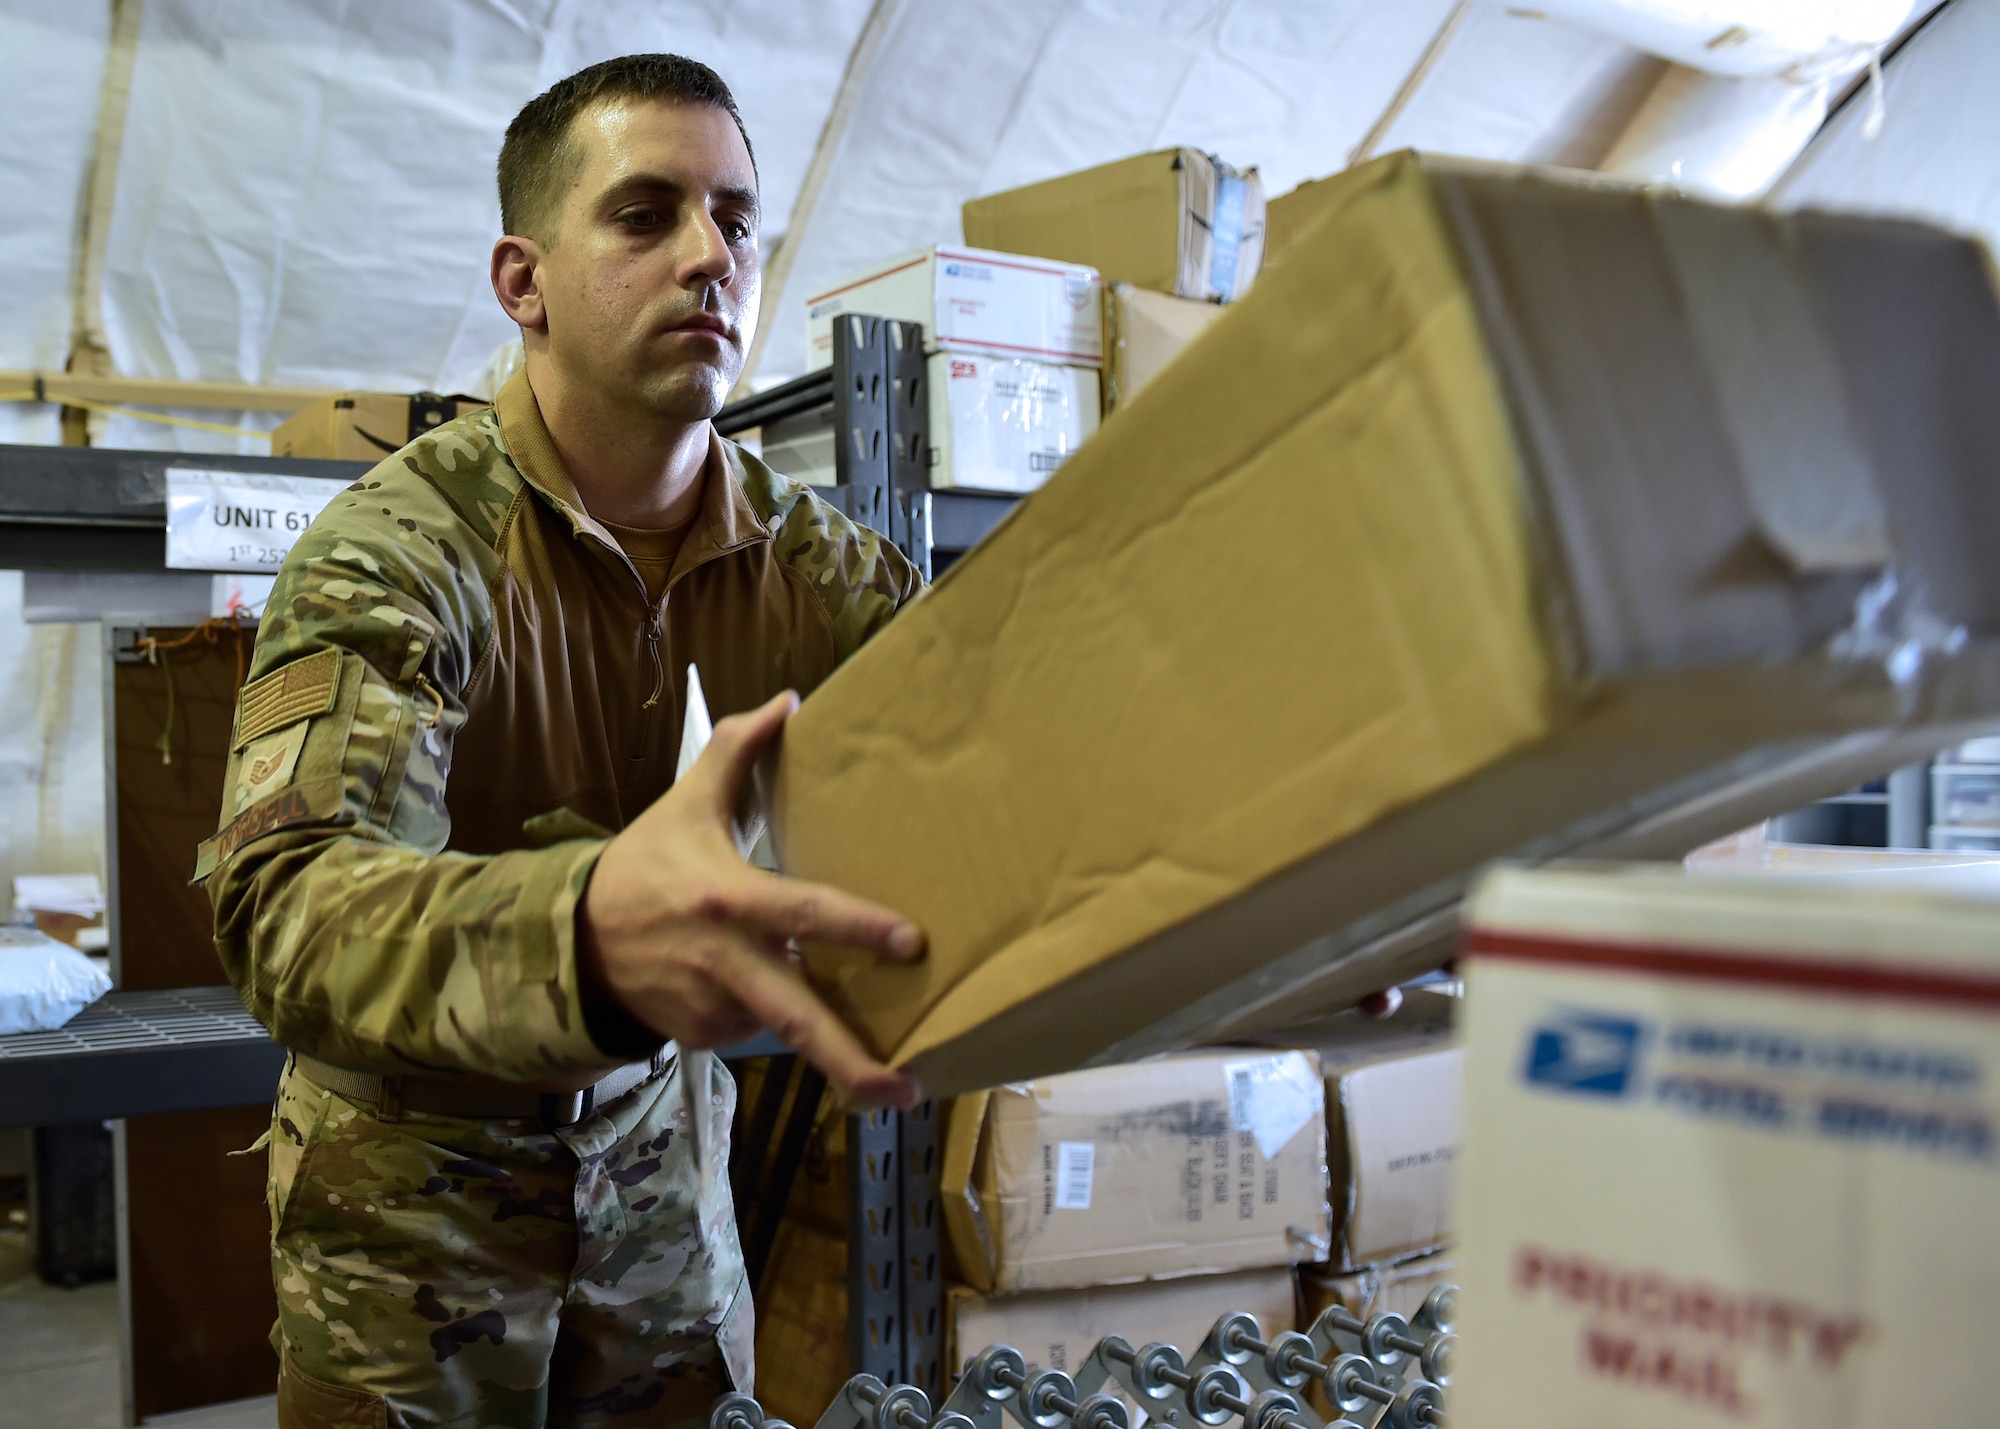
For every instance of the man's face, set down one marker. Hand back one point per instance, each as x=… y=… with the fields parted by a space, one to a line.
x=652 y=281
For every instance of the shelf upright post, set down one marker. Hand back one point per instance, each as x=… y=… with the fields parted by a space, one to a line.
x=909 y=441
x=920 y=1140
x=862 y=440
x=881 y=424
x=874 y=1245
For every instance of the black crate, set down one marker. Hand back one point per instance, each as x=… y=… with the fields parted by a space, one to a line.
x=72 y=1203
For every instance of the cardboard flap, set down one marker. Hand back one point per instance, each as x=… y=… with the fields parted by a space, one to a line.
x=965 y=1220
x=1809 y=480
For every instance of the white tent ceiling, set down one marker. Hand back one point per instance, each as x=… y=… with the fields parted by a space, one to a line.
x=1938 y=154
x=303 y=189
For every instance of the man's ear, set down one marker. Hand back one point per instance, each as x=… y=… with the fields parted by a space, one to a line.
x=517 y=282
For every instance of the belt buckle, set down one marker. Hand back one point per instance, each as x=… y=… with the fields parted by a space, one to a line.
x=564 y=1109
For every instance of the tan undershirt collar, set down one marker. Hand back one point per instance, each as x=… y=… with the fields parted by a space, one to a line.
x=725 y=521
x=651 y=550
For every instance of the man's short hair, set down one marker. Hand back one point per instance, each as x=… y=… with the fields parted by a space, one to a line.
x=538 y=163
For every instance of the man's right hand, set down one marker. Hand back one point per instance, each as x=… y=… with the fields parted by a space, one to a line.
x=693 y=941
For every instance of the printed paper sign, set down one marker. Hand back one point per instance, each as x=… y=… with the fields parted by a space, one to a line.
x=239 y=520
x=1272 y=1098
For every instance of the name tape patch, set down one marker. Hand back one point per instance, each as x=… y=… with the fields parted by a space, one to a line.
x=297 y=805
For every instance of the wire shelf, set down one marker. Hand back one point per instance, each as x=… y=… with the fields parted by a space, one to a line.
x=139 y=1022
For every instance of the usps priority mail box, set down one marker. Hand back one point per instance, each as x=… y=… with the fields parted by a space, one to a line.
x=1729 y=1153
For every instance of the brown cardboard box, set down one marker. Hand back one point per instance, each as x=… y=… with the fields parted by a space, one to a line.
x=1393 y=1133
x=1176 y=221
x=1143 y=332
x=802 y=1323
x=1058 y=1329
x=1202 y=1162
x=1394 y=1089
x=1289 y=215
x=1510 y=516
x=365 y=426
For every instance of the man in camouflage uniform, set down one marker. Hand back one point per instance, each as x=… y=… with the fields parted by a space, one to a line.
x=455 y=872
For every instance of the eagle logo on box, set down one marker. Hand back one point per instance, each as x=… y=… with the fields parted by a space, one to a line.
x=1590 y=1052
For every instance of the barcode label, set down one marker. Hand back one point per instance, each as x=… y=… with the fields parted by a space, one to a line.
x=1075 y=1160
x=1242 y=1094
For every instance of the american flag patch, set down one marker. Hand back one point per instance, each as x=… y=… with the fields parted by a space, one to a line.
x=302 y=689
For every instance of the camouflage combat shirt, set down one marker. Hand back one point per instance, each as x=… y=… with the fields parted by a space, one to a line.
x=460 y=683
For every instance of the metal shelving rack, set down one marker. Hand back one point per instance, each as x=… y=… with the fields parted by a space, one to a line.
x=102 y=512
x=882 y=451
x=882 y=457
x=88 y=509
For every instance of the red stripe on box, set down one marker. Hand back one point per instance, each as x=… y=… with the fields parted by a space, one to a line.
x=1803 y=973
x=970 y=345
x=871 y=278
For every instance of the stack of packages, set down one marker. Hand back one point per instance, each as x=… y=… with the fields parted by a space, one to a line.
x=1174 y=234
x=1015 y=346
x=1394 y=1092
x=1141 y=1200
x=1027 y=345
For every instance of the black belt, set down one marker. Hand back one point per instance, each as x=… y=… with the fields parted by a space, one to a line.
x=389 y=1097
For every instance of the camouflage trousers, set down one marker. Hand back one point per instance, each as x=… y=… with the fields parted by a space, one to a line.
x=438 y=1271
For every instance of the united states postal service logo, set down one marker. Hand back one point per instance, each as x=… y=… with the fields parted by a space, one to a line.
x=1593 y=1053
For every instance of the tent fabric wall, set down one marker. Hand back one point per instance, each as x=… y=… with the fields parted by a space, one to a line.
x=306 y=195
x=1521 y=89
x=51 y=744
x=972 y=98
x=51 y=69
x=1938 y=154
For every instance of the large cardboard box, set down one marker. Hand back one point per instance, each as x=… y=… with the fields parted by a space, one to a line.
x=1393 y=1134
x=970 y=300
x=365 y=426
x=1511 y=515
x=1058 y=1329
x=1394 y=1095
x=1143 y=332
x=1196 y=1163
x=1730 y=1152
x=1177 y=221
